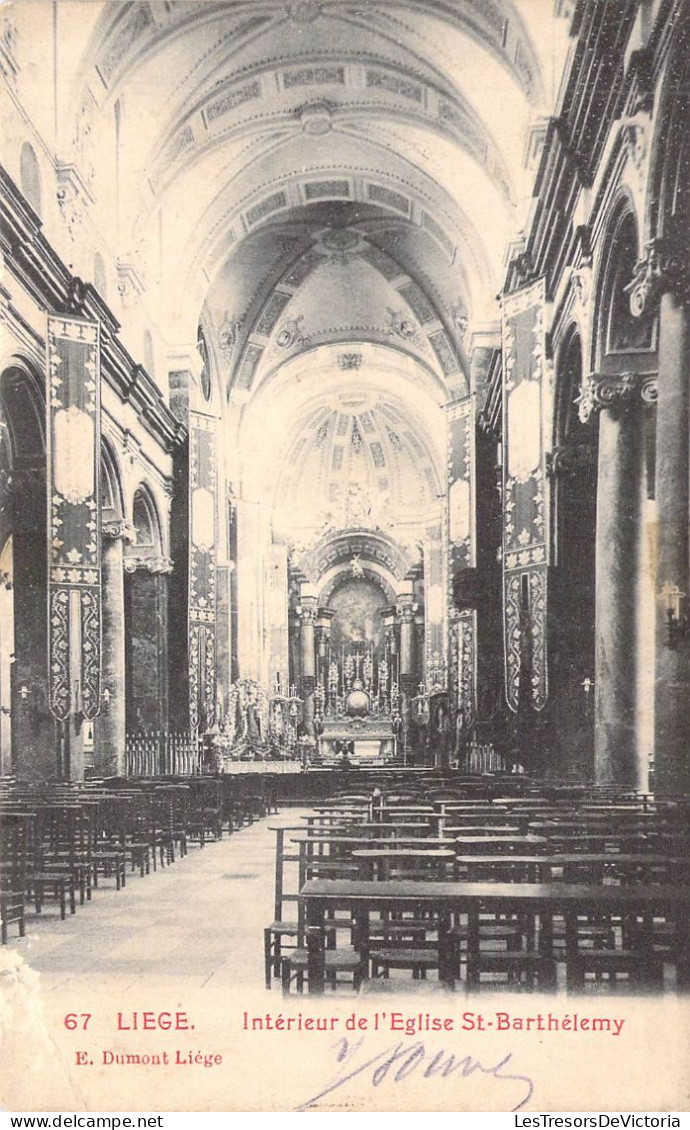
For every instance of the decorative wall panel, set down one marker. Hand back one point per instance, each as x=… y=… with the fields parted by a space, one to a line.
x=525 y=535
x=460 y=497
x=74 y=551
x=203 y=539
x=435 y=610
x=463 y=665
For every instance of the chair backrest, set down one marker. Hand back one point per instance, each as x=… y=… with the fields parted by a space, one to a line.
x=287 y=853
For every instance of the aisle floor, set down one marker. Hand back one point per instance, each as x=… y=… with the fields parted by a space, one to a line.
x=158 y=925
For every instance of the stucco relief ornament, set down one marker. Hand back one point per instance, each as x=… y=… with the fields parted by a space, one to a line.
x=356 y=566
x=304 y=11
x=153 y=564
x=117 y=528
x=290 y=333
x=227 y=336
x=586 y=400
x=348 y=361
x=460 y=321
x=8 y=48
x=401 y=326
x=659 y=270
x=634 y=137
x=581 y=282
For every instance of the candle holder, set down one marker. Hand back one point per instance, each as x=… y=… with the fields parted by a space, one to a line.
x=676 y=615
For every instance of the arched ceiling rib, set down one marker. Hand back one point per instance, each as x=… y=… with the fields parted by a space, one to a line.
x=259 y=105
x=128 y=35
x=341 y=287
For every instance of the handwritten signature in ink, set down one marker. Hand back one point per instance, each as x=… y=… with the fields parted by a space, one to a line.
x=403 y=1060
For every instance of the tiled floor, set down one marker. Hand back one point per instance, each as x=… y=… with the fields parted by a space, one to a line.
x=159 y=925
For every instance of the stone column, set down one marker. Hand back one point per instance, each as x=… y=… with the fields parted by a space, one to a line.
x=672 y=697
x=322 y=637
x=147 y=597
x=308 y=656
x=660 y=277
x=109 y=752
x=35 y=733
x=619 y=399
x=405 y=611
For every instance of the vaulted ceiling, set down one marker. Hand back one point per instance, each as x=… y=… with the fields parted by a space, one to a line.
x=310 y=176
x=228 y=118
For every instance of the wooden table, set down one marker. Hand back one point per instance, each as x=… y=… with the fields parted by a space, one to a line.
x=540 y=867
x=540 y=900
x=377 y=862
x=502 y=845
x=383 y=826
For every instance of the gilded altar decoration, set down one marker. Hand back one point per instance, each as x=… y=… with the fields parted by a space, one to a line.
x=202 y=570
x=525 y=487
x=74 y=554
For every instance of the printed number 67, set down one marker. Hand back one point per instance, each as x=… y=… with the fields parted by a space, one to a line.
x=77 y=1020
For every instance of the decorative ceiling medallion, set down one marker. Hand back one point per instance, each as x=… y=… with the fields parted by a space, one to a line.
x=290 y=333
x=316 y=120
x=304 y=11
x=400 y=325
x=348 y=361
x=227 y=336
x=339 y=245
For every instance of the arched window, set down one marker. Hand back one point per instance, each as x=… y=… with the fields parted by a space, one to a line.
x=30 y=177
x=622 y=331
x=111 y=493
x=145 y=520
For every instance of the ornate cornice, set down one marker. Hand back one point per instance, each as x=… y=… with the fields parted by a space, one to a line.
x=31 y=260
x=73 y=196
x=154 y=564
x=618 y=390
x=661 y=270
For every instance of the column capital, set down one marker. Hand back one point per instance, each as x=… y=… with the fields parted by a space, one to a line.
x=307 y=611
x=568 y=458
x=661 y=269
x=405 y=610
x=615 y=390
x=118 y=528
x=154 y=564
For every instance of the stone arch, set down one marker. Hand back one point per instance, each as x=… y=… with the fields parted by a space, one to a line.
x=668 y=208
x=620 y=339
x=112 y=494
x=29 y=732
x=572 y=596
x=146 y=617
x=146 y=521
x=109 y=725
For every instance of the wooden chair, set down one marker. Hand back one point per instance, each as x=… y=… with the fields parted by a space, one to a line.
x=46 y=873
x=14 y=841
x=281 y=927
x=345 y=960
